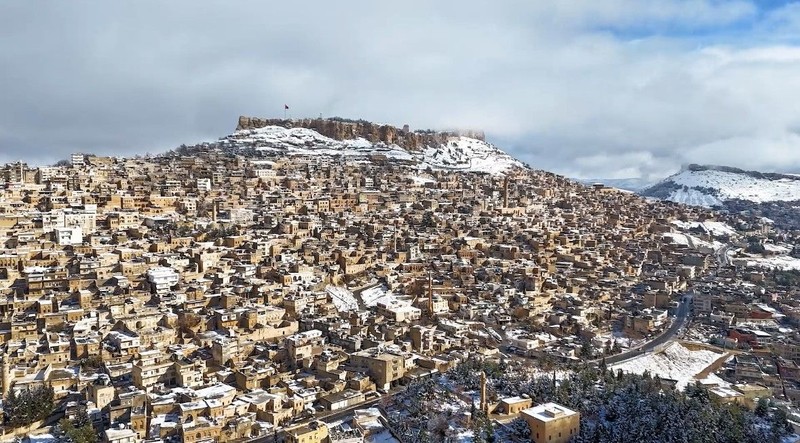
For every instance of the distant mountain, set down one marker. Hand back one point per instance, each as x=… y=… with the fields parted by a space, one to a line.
x=713 y=185
x=451 y=150
x=772 y=195
x=626 y=184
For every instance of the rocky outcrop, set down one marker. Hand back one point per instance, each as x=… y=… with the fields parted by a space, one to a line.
x=343 y=129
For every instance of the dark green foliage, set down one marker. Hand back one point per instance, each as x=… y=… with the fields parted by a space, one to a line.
x=28 y=406
x=91 y=362
x=79 y=430
x=614 y=407
x=755 y=247
x=762 y=408
x=786 y=278
x=586 y=349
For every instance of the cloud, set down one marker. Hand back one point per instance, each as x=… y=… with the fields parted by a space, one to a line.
x=585 y=88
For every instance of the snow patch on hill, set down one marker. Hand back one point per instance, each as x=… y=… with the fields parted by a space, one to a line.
x=469 y=154
x=459 y=153
x=694 y=197
x=675 y=363
x=371 y=296
x=712 y=186
x=302 y=141
x=783 y=262
x=342 y=298
x=693 y=242
x=711 y=227
x=741 y=186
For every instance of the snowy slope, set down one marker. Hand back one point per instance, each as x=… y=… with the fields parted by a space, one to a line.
x=676 y=363
x=713 y=185
x=470 y=154
x=781 y=262
x=711 y=227
x=342 y=298
x=459 y=153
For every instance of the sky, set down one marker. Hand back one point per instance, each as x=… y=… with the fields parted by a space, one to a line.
x=584 y=88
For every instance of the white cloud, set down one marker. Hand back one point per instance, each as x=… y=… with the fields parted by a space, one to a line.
x=587 y=88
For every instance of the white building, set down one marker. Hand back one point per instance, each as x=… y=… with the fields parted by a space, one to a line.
x=68 y=236
x=204 y=184
x=77 y=159
x=398 y=310
x=162 y=279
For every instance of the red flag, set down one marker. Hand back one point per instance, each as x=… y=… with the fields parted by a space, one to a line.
x=285 y=107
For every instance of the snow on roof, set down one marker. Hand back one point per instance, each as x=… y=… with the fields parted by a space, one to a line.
x=548 y=412
x=725 y=392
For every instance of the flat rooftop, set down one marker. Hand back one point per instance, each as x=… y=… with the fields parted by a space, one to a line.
x=548 y=412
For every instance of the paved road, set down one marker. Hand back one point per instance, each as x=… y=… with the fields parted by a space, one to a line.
x=684 y=307
x=722 y=257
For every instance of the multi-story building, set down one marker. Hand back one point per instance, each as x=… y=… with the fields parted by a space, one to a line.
x=552 y=423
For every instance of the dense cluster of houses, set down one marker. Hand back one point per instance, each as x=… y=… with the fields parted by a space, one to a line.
x=217 y=297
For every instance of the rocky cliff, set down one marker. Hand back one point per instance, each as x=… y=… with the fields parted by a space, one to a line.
x=343 y=129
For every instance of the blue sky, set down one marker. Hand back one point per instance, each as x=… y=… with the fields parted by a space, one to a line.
x=585 y=88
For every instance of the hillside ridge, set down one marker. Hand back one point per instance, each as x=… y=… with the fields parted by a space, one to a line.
x=339 y=128
x=361 y=140
x=763 y=194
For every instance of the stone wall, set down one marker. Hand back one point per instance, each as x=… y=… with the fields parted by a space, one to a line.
x=341 y=129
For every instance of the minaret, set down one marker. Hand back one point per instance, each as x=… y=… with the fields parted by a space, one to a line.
x=395 y=236
x=505 y=193
x=484 y=402
x=214 y=211
x=430 y=292
x=6 y=377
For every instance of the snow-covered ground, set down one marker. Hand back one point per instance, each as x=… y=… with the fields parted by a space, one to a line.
x=302 y=141
x=342 y=298
x=420 y=180
x=622 y=340
x=777 y=249
x=715 y=379
x=371 y=296
x=459 y=153
x=782 y=262
x=694 y=197
x=692 y=241
x=675 y=362
x=384 y=436
x=469 y=154
x=712 y=227
x=731 y=185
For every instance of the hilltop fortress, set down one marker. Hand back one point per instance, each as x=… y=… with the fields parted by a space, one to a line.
x=345 y=129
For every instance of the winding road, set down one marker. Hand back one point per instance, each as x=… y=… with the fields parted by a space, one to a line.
x=684 y=308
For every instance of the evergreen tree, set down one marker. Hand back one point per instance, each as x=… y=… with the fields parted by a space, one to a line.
x=28 y=406
x=762 y=407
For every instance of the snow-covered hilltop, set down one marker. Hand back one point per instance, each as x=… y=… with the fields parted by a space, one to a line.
x=453 y=150
x=716 y=185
